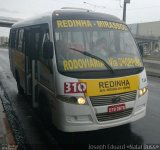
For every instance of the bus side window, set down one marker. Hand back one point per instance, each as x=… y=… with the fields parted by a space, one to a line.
x=20 y=40
x=12 y=39
x=27 y=41
x=35 y=41
x=16 y=39
x=44 y=37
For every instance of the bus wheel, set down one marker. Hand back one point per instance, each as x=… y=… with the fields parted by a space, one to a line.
x=44 y=109
x=20 y=89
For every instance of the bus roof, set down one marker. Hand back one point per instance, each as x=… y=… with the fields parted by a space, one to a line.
x=83 y=14
x=40 y=19
x=66 y=14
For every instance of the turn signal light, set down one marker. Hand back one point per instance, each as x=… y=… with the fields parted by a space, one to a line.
x=142 y=91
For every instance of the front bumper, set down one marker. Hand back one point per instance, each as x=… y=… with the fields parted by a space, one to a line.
x=76 y=118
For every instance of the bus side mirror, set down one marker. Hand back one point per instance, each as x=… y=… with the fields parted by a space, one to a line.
x=48 y=50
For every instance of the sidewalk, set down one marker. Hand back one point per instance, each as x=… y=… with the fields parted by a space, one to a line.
x=6 y=135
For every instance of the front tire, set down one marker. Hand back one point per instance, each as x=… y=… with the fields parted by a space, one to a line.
x=45 y=109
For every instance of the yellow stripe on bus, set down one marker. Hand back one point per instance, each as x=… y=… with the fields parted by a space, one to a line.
x=109 y=86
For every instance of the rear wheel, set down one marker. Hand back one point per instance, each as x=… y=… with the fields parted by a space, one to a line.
x=19 y=87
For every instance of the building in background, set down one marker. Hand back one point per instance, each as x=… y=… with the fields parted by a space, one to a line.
x=147 y=36
x=3 y=41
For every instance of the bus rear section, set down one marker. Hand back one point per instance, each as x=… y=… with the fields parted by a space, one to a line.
x=82 y=69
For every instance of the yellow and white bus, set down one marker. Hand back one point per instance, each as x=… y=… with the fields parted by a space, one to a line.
x=82 y=69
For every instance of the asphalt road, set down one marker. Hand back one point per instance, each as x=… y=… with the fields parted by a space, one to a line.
x=144 y=131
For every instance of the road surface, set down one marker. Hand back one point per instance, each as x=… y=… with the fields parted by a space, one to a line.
x=144 y=131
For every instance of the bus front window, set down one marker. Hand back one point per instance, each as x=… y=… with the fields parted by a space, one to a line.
x=114 y=46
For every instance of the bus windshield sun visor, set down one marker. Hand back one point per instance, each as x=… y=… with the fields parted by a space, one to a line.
x=93 y=56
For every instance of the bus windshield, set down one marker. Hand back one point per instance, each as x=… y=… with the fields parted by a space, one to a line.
x=110 y=42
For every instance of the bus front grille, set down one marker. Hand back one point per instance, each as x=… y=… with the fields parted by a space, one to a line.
x=108 y=99
x=112 y=116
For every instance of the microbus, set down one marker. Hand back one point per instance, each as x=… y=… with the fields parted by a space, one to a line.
x=82 y=69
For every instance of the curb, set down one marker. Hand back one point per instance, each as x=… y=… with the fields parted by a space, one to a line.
x=6 y=136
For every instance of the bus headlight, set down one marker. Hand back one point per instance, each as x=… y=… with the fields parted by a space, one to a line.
x=143 y=91
x=73 y=100
x=81 y=101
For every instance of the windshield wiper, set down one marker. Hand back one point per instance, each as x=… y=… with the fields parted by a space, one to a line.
x=95 y=57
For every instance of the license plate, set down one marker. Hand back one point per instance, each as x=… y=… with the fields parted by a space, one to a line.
x=116 y=108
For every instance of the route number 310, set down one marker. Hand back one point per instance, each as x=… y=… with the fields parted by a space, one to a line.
x=75 y=87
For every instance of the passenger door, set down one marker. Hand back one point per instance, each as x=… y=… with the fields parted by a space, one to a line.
x=32 y=37
x=38 y=70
